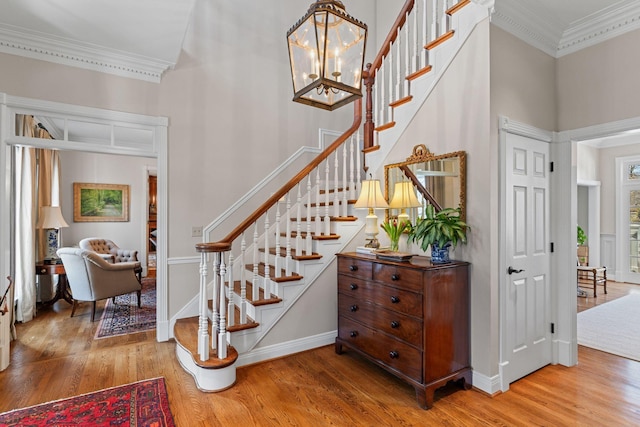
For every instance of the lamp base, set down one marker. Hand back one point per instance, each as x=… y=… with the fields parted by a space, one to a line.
x=372 y=243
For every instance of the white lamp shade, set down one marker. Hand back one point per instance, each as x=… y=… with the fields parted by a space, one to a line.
x=404 y=196
x=51 y=217
x=371 y=196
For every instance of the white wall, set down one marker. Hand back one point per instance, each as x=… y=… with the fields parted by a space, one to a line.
x=587 y=163
x=107 y=169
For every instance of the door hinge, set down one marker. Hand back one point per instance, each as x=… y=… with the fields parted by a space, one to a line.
x=550 y=166
x=553 y=328
x=551 y=247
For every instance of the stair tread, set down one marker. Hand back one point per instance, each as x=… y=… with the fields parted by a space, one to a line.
x=385 y=126
x=419 y=73
x=401 y=101
x=303 y=257
x=446 y=36
x=185 y=333
x=282 y=278
x=457 y=7
x=261 y=298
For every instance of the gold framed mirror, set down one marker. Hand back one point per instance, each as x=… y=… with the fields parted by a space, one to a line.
x=440 y=180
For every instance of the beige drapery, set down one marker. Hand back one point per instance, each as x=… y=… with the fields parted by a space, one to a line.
x=36 y=184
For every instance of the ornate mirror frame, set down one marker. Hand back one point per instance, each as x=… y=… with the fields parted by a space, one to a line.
x=421 y=154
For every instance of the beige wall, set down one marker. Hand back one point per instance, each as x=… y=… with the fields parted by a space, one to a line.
x=599 y=84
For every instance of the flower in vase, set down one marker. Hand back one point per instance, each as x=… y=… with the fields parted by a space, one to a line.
x=394 y=230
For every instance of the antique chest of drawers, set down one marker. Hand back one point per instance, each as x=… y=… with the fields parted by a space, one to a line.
x=410 y=318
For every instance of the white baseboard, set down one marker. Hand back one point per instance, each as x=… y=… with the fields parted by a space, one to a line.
x=490 y=385
x=287 y=348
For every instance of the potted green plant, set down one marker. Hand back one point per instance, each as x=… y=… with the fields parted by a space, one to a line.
x=440 y=230
x=582 y=237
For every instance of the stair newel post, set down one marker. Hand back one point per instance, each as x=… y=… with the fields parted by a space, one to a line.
x=215 y=316
x=327 y=200
x=308 y=238
x=318 y=219
x=231 y=320
x=299 y=222
x=222 y=325
x=278 y=258
x=255 y=294
x=345 y=185
x=287 y=263
x=243 y=281
x=203 y=321
x=336 y=183
x=267 y=263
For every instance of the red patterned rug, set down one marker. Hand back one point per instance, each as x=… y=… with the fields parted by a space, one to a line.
x=144 y=403
x=125 y=317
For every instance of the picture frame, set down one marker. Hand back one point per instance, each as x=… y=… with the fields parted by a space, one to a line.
x=100 y=202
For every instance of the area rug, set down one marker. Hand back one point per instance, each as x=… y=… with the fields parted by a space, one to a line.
x=144 y=403
x=125 y=317
x=613 y=327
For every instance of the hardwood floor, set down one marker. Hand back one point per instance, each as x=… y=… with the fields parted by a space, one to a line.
x=56 y=357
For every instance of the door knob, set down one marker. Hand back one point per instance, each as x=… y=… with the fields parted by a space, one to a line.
x=512 y=270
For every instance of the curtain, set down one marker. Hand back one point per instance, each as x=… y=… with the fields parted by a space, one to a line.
x=36 y=184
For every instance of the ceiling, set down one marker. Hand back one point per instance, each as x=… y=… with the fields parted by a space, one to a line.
x=143 y=38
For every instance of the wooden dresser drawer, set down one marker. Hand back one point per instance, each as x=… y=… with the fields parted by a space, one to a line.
x=355 y=267
x=392 y=298
x=401 y=326
x=405 y=278
x=393 y=353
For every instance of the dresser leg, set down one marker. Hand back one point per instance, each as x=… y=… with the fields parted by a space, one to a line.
x=424 y=397
x=338 y=347
x=465 y=381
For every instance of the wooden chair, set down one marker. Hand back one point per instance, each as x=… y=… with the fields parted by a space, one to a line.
x=592 y=276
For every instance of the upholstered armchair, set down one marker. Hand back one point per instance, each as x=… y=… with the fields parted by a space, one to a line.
x=111 y=252
x=92 y=278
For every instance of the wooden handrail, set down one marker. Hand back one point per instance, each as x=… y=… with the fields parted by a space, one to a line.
x=224 y=245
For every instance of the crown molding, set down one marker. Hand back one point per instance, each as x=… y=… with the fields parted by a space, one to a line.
x=78 y=54
x=606 y=25
x=539 y=31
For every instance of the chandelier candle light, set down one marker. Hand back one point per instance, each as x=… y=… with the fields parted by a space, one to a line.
x=51 y=220
x=326 y=55
x=371 y=198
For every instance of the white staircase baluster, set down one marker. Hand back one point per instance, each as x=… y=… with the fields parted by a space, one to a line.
x=327 y=219
x=407 y=56
x=255 y=294
x=299 y=222
x=318 y=219
x=215 y=322
x=358 y=164
x=398 y=77
x=390 y=82
x=222 y=327
x=444 y=18
x=425 y=33
x=231 y=320
x=203 y=321
x=345 y=185
x=416 y=49
x=243 y=281
x=376 y=97
x=267 y=264
x=336 y=185
x=352 y=185
x=308 y=238
x=278 y=258
x=288 y=259
x=434 y=20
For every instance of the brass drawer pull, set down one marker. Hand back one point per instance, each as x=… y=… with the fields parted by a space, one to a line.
x=395 y=277
x=353 y=286
x=353 y=268
x=393 y=354
x=395 y=299
x=395 y=324
x=353 y=308
x=353 y=334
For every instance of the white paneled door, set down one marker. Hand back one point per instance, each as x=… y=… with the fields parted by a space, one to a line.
x=525 y=294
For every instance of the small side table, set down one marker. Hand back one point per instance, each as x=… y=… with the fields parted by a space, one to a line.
x=63 y=291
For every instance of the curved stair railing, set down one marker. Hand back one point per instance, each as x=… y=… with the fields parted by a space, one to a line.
x=251 y=263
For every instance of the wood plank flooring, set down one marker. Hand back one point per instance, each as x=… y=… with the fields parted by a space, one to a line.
x=56 y=357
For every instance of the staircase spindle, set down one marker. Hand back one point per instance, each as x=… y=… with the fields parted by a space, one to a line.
x=215 y=313
x=381 y=81
x=267 y=264
x=222 y=326
x=318 y=219
x=203 y=322
x=352 y=186
x=308 y=238
x=357 y=181
x=255 y=294
x=398 y=77
x=425 y=33
x=288 y=259
x=299 y=222
x=327 y=221
x=336 y=184
x=434 y=20
x=231 y=320
x=407 y=56
x=243 y=281
x=390 y=83
x=345 y=185
x=278 y=258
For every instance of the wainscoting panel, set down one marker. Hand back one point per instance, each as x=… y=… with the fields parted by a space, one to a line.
x=608 y=254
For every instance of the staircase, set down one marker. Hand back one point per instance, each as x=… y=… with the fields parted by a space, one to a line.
x=252 y=277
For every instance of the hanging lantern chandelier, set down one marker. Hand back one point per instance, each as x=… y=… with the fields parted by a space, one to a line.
x=326 y=54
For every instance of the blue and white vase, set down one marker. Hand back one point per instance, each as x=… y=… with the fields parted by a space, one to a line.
x=440 y=255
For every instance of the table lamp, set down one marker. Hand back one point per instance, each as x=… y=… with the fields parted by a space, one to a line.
x=371 y=198
x=51 y=220
x=404 y=196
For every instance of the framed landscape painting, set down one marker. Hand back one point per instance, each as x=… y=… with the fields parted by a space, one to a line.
x=100 y=202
